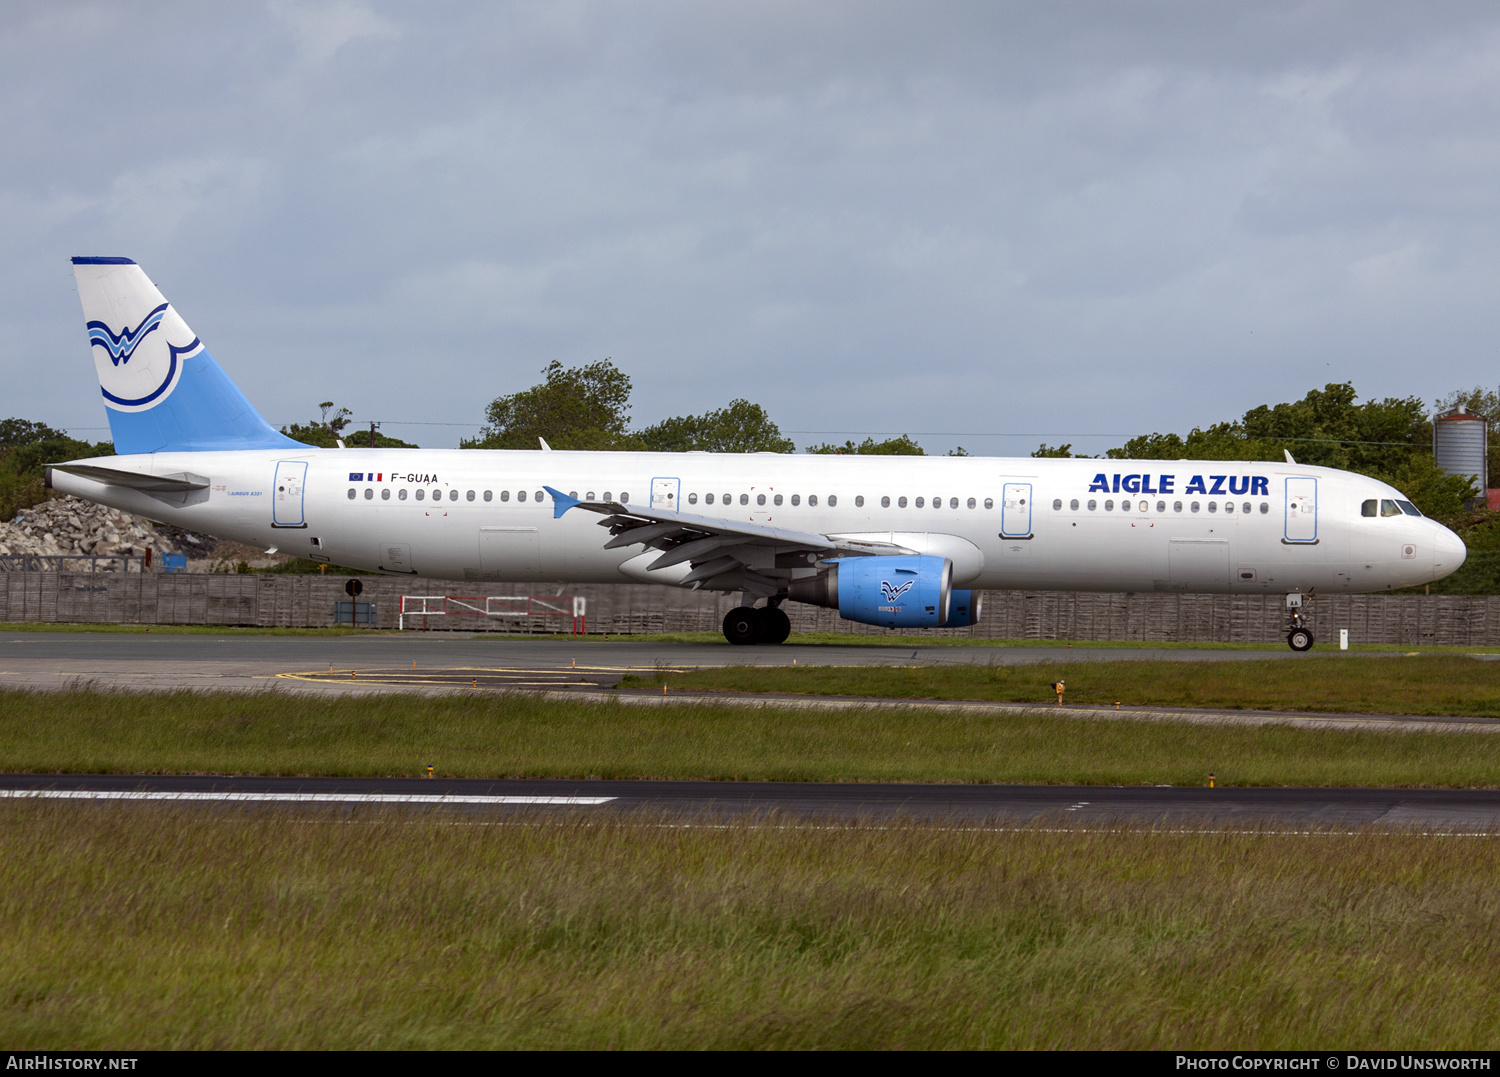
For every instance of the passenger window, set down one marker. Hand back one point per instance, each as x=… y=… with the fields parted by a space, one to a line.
x=538 y=496
x=989 y=502
x=796 y=500
x=469 y=496
x=505 y=495
x=1109 y=506
x=1195 y=506
x=385 y=495
x=812 y=500
x=1369 y=508
x=420 y=493
x=833 y=501
x=521 y=495
x=1161 y=506
x=1177 y=506
x=708 y=499
x=859 y=501
x=885 y=502
x=692 y=499
x=937 y=502
x=953 y=502
x=624 y=496
x=401 y=495
x=1073 y=505
x=351 y=493
x=607 y=496
x=590 y=496
x=901 y=502
x=1264 y=508
x=744 y=499
x=1093 y=504
x=1389 y=508
x=776 y=500
x=369 y=494
x=1057 y=504
x=1408 y=508
x=489 y=495
x=572 y=493
x=1229 y=506
x=1213 y=506
x=1245 y=508
x=760 y=499
x=921 y=503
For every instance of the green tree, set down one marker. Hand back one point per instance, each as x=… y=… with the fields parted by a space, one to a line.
x=1054 y=452
x=741 y=427
x=327 y=432
x=582 y=407
x=902 y=446
x=26 y=447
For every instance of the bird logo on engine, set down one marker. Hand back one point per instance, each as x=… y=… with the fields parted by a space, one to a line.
x=892 y=592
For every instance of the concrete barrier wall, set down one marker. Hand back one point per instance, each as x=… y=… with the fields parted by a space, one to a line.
x=308 y=601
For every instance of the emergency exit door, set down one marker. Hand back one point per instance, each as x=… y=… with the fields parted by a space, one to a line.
x=665 y=493
x=1301 y=510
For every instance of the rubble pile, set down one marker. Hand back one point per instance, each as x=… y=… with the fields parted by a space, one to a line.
x=72 y=527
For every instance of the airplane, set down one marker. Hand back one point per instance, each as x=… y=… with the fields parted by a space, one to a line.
x=896 y=541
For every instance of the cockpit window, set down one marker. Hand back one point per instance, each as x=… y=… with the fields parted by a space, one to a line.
x=1389 y=508
x=1408 y=508
x=1370 y=508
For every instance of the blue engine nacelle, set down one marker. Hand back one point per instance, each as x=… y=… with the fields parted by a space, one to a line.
x=906 y=591
x=964 y=609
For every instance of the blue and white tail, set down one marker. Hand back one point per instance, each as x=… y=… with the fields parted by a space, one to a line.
x=163 y=392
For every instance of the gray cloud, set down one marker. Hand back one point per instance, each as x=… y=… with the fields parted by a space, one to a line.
x=1035 y=220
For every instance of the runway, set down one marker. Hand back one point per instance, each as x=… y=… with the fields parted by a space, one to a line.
x=793 y=802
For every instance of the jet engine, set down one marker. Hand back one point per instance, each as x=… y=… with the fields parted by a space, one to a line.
x=904 y=591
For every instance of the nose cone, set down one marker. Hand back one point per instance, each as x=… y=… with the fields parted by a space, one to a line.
x=1448 y=553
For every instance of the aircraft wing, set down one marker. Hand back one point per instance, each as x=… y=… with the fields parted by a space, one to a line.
x=723 y=554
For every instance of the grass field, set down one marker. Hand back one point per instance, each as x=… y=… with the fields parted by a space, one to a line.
x=488 y=735
x=172 y=928
x=1421 y=684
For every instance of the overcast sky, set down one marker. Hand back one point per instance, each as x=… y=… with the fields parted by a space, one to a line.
x=1009 y=222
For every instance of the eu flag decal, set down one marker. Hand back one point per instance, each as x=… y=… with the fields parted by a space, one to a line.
x=356 y=476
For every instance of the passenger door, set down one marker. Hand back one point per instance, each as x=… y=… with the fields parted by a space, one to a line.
x=1015 y=510
x=1301 y=511
x=287 y=494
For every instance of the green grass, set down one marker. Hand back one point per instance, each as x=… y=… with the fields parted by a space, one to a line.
x=491 y=735
x=1424 y=684
x=173 y=928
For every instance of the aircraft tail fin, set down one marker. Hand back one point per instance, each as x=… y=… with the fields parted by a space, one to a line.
x=163 y=391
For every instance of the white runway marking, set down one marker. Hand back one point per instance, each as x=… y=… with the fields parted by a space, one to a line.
x=298 y=798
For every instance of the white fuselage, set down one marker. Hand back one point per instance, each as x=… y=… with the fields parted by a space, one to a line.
x=1005 y=523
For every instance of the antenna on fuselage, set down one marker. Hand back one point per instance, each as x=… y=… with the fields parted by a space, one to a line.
x=1289 y=456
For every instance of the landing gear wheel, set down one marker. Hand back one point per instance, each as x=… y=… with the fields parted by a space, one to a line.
x=776 y=626
x=742 y=625
x=1299 y=639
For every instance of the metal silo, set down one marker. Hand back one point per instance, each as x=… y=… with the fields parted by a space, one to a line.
x=1461 y=444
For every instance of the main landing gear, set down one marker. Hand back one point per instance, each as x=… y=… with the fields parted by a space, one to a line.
x=747 y=624
x=1300 y=638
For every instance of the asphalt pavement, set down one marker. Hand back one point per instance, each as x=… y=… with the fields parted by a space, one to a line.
x=1073 y=806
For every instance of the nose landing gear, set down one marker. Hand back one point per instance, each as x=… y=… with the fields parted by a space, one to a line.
x=1300 y=638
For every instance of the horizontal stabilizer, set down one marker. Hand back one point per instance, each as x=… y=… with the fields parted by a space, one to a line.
x=181 y=483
